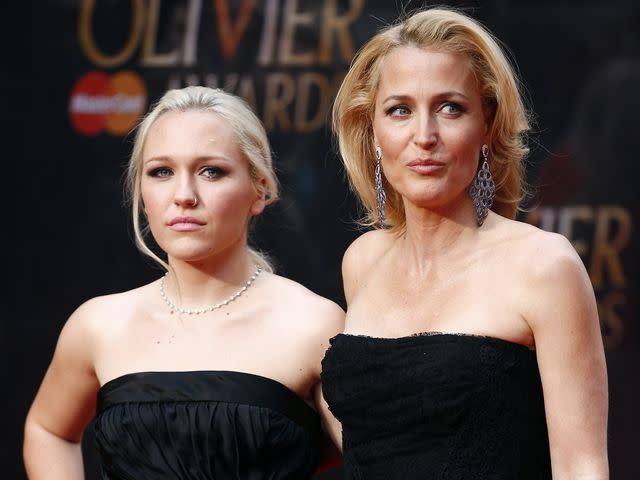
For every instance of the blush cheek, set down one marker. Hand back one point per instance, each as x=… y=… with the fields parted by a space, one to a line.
x=230 y=209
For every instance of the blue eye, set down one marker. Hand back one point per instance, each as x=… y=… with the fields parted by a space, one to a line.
x=160 y=172
x=452 y=108
x=212 y=172
x=398 y=111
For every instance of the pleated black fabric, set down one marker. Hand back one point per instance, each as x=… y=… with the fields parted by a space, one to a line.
x=437 y=406
x=204 y=425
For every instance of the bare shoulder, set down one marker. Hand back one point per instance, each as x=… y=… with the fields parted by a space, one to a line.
x=543 y=255
x=93 y=320
x=367 y=248
x=556 y=268
x=309 y=310
x=552 y=277
x=363 y=253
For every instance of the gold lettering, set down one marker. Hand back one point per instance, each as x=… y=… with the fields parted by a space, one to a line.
x=269 y=32
x=149 y=56
x=306 y=82
x=610 y=322
x=247 y=91
x=87 y=41
x=565 y=225
x=230 y=36
x=606 y=250
x=279 y=94
x=291 y=19
x=332 y=22
x=190 y=42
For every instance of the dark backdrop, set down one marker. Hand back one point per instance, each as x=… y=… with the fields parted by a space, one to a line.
x=69 y=230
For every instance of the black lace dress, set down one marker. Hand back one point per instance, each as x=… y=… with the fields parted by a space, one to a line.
x=437 y=406
x=204 y=425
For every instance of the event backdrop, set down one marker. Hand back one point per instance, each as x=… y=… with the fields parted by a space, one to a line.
x=96 y=66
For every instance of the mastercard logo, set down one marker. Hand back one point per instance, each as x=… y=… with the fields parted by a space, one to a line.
x=112 y=103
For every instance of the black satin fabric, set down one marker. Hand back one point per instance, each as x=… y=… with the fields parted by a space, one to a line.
x=204 y=425
x=437 y=406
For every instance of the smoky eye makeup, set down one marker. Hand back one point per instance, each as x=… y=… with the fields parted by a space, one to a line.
x=213 y=171
x=158 y=172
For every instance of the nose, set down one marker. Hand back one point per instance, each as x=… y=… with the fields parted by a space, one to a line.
x=185 y=194
x=426 y=130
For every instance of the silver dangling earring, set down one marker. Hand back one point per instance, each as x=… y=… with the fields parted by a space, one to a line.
x=483 y=188
x=381 y=196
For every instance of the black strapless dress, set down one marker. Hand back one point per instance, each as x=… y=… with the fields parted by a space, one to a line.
x=437 y=406
x=204 y=425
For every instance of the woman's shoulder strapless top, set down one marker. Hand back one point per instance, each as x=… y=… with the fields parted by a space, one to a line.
x=204 y=425
x=437 y=406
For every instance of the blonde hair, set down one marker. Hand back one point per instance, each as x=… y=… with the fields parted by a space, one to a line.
x=250 y=134
x=447 y=30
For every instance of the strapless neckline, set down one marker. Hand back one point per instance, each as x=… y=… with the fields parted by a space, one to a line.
x=203 y=424
x=226 y=386
x=129 y=376
x=435 y=405
x=437 y=336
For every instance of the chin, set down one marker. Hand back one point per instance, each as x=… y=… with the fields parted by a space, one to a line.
x=426 y=199
x=184 y=252
x=436 y=196
x=191 y=257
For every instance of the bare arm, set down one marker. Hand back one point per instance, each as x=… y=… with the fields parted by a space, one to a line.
x=330 y=424
x=564 y=319
x=352 y=261
x=63 y=406
x=329 y=322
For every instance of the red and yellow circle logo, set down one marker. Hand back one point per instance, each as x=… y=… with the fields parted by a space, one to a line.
x=107 y=102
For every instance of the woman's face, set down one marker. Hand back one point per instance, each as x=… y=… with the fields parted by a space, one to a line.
x=196 y=188
x=430 y=126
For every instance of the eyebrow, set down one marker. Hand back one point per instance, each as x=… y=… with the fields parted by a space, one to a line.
x=203 y=158
x=451 y=93
x=155 y=159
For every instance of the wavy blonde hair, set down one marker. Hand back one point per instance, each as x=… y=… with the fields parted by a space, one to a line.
x=445 y=30
x=250 y=134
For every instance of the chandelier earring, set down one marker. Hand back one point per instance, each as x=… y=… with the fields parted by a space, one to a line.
x=483 y=188
x=381 y=196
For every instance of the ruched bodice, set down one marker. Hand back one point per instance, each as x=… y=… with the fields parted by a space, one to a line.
x=204 y=425
x=437 y=406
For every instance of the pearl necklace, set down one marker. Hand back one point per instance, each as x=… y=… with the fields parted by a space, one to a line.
x=198 y=311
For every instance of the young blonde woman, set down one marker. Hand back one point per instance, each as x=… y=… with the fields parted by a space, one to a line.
x=472 y=346
x=211 y=371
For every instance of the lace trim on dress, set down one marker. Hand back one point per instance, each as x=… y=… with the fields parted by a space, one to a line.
x=436 y=333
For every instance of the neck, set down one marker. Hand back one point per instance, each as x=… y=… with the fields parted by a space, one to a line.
x=196 y=284
x=438 y=233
